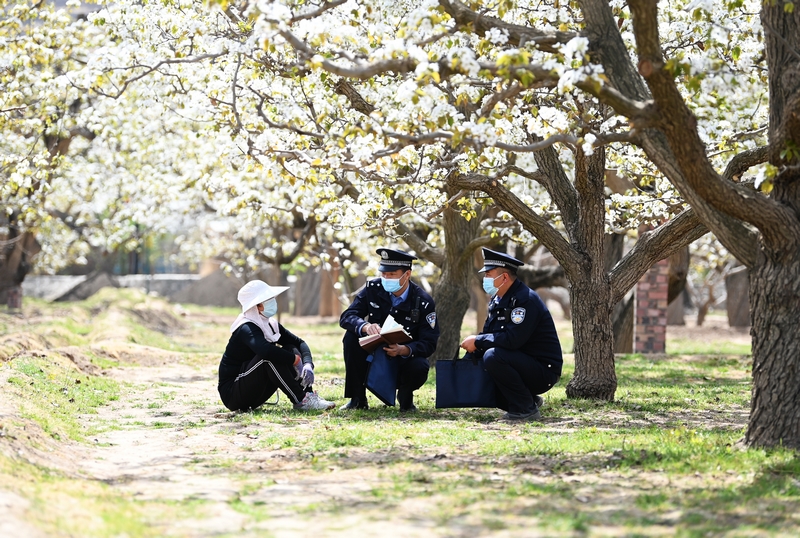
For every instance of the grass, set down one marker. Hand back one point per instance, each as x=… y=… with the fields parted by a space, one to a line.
x=663 y=459
x=53 y=394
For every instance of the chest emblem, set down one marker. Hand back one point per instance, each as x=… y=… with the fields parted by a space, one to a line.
x=373 y=305
x=431 y=319
x=517 y=315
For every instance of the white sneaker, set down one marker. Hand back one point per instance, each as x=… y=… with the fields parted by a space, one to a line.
x=312 y=402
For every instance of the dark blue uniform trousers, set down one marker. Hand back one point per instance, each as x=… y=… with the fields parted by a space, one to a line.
x=413 y=371
x=518 y=377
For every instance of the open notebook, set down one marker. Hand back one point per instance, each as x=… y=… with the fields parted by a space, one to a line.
x=391 y=333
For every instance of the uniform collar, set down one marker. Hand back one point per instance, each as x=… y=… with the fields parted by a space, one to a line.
x=510 y=292
x=403 y=297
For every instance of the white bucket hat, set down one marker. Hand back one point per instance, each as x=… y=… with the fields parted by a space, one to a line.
x=256 y=292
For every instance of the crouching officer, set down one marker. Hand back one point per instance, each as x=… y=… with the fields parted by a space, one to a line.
x=392 y=294
x=519 y=344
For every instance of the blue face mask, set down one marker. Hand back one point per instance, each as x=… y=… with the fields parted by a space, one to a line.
x=270 y=308
x=391 y=284
x=488 y=285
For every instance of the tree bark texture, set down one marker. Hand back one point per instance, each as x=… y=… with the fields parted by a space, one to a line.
x=773 y=251
x=593 y=332
x=775 y=307
x=775 y=277
x=16 y=254
x=452 y=292
x=623 y=320
x=592 y=328
x=678 y=272
x=737 y=293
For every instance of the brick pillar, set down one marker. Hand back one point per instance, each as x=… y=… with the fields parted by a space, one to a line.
x=651 y=310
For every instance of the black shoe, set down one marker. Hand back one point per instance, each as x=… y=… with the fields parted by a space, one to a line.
x=406 y=400
x=356 y=403
x=532 y=416
x=412 y=409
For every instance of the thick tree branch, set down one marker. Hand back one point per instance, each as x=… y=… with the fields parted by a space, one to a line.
x=560 y=188
x=518 y=35
x=547 y=235
x=543 y=277
x=310 y=15
x=607 y=46
x=679 y=126
x=741 y=162
x=653 y=246
x=344 y=87
x=420 y=246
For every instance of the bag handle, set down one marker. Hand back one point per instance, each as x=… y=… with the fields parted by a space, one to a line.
x=472 y=356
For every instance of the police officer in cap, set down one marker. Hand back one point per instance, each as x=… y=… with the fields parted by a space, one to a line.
x=392 y=294
x=518 y=342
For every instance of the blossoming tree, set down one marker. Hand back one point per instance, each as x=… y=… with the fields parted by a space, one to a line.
x=405 y=108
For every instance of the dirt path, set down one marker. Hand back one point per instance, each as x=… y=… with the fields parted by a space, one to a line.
x=170 y=441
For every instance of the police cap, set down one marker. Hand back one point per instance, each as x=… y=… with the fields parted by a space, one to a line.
x=493 y=259
x=392 y=260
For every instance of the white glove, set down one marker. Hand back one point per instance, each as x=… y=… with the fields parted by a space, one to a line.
x=306 y=376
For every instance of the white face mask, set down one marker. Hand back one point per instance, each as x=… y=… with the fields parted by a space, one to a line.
x=270 y=308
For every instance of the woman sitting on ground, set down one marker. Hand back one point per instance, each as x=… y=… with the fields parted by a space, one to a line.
x=262 y=356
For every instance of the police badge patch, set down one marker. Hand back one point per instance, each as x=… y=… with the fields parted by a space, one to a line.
x=517 y=315
x=431 y=319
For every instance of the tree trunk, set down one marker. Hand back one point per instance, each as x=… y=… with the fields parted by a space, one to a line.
x=678 y=273
x=479 y=298
x=452 y=292
x=737 y=301
x=622 y=319
x=594 y=342
x=16 y=253
x=705 y=306
x=675 y=311
x=590 y=292
x=774 y=282
x=775 y=303
x=452 y=301
x=622 y=316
